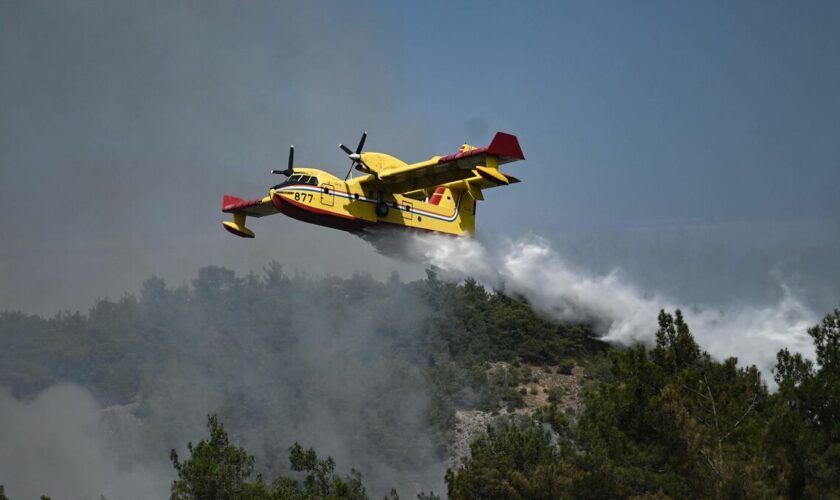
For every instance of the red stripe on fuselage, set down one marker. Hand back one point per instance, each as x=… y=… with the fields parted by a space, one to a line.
x=312 y=215
x=366 y=200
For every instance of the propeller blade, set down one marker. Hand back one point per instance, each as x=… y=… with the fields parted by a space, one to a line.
x=361 y=143
x=355 y=157
x=291 y=157
x=349 y=170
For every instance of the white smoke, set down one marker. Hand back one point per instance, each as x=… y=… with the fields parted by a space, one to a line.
x=61 y=443
x=623 y=312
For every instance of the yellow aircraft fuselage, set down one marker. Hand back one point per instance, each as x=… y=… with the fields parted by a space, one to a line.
x=346 y=205
x=437 y=195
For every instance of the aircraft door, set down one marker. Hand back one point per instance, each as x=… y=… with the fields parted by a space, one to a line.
x=407 y=210
x=327 y=194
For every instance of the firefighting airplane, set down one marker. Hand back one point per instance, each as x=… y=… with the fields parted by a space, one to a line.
x=437 y=195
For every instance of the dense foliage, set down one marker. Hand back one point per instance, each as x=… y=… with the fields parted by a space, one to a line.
x=369 y=372
x=804 y=429
x=389 y=363
x=512 y=462
x=217 y=469
x=114 y=348
x=670 y=422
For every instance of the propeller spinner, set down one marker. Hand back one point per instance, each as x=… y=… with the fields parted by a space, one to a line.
x=356 y=157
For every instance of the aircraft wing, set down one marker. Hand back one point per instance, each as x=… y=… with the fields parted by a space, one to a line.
x=475 y=185
x=480 y=163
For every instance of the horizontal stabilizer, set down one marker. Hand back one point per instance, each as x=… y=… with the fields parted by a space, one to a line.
x=493 y=175
x=258 y=207
x=241 y=209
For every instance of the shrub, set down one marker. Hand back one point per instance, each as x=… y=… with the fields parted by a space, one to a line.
x=566 y=368
x=555 y=394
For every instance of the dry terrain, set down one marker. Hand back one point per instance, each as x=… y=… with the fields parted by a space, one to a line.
x=537 y=387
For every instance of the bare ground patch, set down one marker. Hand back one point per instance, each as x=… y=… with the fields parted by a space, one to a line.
x=540 y=386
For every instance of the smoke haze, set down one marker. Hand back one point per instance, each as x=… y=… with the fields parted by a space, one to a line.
x=278 y=358
x=57 y=444
x=678 y=156
x=326 y=365
x=624 y=312
x=123 y=124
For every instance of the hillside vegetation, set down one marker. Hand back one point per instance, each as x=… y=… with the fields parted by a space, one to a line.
x=381 y=375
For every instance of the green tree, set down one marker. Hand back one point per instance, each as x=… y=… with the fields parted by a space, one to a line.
x=218 y=470
x=676 y=422
x=215 y=470
x=320 y=480
x=675 y=346
x=511 y=463
x=804 y=433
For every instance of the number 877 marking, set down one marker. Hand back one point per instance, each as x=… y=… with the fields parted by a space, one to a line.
x=304 y=197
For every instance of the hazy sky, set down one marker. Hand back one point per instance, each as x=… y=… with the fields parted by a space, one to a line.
x=693 y=145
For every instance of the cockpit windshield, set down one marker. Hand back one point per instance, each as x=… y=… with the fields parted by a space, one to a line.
x=299 y=179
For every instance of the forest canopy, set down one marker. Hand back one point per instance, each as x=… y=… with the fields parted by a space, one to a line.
x=265 y=362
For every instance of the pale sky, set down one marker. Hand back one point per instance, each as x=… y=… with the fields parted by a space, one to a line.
x=692 y=145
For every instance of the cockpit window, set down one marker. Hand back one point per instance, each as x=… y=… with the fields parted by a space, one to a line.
x=298 y=179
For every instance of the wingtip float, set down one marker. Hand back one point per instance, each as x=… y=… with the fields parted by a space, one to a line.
x=436 y=195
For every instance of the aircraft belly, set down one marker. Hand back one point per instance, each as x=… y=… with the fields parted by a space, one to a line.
x=354 y=212
x=305 y=213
